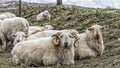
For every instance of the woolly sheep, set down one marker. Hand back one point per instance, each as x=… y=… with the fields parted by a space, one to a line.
x=47 y=51
x=7 y=15
x=47 y=33
x=90 y=43
x=19 y=36
x=42 y=34
x=48 y=27
x=35 y=29
x=12 y=25
x=43 y=16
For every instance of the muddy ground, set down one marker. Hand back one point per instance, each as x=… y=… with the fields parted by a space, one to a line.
x=79 y=18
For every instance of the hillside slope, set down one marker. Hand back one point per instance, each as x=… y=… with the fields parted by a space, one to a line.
x=80 y=18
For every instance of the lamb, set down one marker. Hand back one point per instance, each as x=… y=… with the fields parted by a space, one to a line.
x=90 y=43
x=10 y=26
x=7 y=15
x=35 y=29
x=19 y=36
x=45 y=15
x=52 y=50
x=48 y=27
x=47 y=33
x=42 y=34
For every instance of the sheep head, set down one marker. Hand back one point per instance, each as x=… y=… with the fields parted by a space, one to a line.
x=67 y=38
x=19 y=36
x=95 y=33
x=48 y=27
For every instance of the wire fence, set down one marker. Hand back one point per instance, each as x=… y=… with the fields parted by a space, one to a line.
x=6 y=5
x=29 y=8
x=85 y=3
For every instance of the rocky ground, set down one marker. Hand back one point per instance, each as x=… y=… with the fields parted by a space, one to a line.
x=79 y=18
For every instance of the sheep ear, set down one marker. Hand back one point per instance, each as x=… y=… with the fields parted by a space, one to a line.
x=56 y=38
x=90 y=29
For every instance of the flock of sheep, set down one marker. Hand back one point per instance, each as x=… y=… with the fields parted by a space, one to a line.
x=35 y=45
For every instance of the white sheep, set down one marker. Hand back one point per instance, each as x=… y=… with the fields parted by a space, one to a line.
x=19 y=36
x=48 y=27
x=58 y=48
x=47 y=33
x=45 y=15
x=42 y=34
x=90 y=43
x=35 y=29
x=12 y=25
x=7 y=15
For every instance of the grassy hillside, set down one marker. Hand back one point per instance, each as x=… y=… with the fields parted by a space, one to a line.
x=80 y=18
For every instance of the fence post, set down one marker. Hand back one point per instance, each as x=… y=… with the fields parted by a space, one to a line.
x=59 y=2
x=20 y=8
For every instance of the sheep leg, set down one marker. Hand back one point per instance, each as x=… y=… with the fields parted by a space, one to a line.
x=27 y=62
x=4 y=41
x=5 y=46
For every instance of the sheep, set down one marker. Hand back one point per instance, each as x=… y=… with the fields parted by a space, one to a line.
x=35 y=29
x=42 y=34
x=7 y=15
x=47 y=33
x=90 y=43
x=52 y=50
x=19 y=36
x=45 y=15
x=10 y=26
x=48 y=27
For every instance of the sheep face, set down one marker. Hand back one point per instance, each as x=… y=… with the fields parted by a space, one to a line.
x=46 y=13
x=66 y=39
x=95 y=31
x=19 y=36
